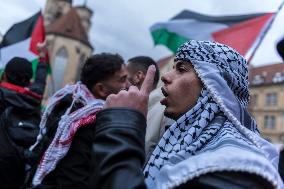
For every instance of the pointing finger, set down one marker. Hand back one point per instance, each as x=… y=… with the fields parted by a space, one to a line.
x=147 y=85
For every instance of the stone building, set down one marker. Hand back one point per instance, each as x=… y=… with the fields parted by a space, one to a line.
x=267 y=100
x=67 y=29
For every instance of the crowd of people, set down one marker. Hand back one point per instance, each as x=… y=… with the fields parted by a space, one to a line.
x=115 y=129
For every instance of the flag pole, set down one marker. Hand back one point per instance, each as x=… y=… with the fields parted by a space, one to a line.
x=264 y=33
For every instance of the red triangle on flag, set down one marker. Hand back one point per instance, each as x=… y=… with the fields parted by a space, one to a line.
x=242 y=36
x=38 y=35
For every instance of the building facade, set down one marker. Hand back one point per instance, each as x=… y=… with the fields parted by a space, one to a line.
x=267 y=100
x=67 y=29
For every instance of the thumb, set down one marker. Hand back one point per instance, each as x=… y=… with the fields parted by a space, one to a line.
x=147 y=85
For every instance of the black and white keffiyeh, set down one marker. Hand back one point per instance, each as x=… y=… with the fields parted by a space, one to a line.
x=217 y=134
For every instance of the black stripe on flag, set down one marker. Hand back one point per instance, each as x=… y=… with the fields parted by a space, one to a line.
x=228 y=20
x=20 y=31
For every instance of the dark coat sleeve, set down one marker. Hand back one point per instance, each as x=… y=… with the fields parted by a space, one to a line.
x=2 y=103
x=38 y=85
x=12 y=166
x=119 y=150
x=119 y=157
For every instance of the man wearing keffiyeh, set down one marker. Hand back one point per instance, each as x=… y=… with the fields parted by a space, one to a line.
x=214 y=142
x=68 y=123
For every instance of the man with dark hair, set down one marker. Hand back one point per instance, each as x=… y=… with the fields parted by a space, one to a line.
x=68 y=124
x=104 y=74
x=156 y=121
x=137 y=68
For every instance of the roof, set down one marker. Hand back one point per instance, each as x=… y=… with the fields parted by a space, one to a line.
x=69 y=25
x=68 y=1
x=267 y=75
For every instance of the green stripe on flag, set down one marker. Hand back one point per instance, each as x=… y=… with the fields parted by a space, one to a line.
x=49 y=69
x=172 y=40
x=1 y=72
x=34 y=67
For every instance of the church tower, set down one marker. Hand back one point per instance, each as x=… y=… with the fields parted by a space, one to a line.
x=54 y=9
x=85 y=15
x=67 y=28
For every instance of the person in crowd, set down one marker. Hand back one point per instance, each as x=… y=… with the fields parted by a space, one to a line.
x=137 y=68
x=20 y=102
x=214 y=142
x=156 y=121
x=280 y=48
x=18 y=73
x=67 y=125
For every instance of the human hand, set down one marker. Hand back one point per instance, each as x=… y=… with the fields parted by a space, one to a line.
x=134 y=98
x=42 y=49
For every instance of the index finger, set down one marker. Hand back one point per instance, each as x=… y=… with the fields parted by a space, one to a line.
x=148 y=82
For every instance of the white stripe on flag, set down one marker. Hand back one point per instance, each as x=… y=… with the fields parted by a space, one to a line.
x=191 y=29
x=20 y=49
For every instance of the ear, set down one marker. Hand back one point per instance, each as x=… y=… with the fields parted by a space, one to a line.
x=99 y=91
x=139 y=77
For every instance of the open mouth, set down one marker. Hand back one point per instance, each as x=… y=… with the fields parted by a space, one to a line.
x=164 y=101
x=164 y=92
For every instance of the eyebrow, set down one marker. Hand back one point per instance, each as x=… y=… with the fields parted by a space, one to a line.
x=179 y=63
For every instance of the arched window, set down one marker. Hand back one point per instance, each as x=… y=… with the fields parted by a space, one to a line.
x=59 y=66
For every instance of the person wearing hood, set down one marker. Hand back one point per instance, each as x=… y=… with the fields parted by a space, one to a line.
x=214 y=142
x=20 y=114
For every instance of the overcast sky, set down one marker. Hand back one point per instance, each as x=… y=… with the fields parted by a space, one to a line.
x=122 y=26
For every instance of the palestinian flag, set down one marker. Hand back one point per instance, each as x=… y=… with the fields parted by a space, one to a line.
x=21 y=40
x=240 y=32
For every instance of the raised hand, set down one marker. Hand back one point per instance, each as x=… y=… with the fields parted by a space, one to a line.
x=134 y=98
x=42 y=48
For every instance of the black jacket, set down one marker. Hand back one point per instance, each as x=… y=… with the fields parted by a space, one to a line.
x=119 y=156
x=73 y=171
x=12 y=152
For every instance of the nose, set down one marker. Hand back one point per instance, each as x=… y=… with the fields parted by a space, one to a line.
x=166 y=78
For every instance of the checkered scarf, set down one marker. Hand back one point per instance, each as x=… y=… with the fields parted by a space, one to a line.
x=68 y=125
x=217 y=134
